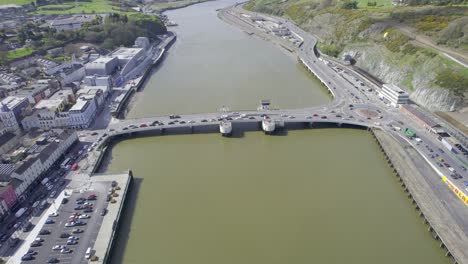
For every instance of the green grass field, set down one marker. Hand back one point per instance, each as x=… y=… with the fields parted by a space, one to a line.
x=176 y=4
x=19 y=53
x=16 y=2
x=380 y=3
x=95 y=6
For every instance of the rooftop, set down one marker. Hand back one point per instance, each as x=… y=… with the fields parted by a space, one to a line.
x=12 y=101
x=394 y=88
x=51 y=104
x=420 y=115
x=80 y=104
x=79 y=19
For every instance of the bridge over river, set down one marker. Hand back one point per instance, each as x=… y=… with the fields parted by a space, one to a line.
x=350 y=107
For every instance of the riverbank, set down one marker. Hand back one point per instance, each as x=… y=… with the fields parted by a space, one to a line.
x=434 y=213
x=109 y=230
x=166 y=6
x=130 y=89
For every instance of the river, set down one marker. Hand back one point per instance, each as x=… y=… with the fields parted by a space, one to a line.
x=310 y=196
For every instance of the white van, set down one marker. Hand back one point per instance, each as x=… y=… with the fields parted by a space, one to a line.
x=88 y=253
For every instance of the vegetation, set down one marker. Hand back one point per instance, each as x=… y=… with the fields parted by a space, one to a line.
x=349 y=5
x=364 y=28
x=82 y=7
x=456 y=81
x=117 y=30
x=19 y=53
x=15 y=2
x=161 y=6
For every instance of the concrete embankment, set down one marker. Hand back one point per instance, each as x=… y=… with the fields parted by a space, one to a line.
x=440 y=222
x=110 y=226
x=140 y=82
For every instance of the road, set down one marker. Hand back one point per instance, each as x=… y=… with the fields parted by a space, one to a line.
x=353 y=103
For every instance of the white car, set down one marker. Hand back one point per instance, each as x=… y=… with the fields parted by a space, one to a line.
x=65 y=250
x=85 y=216
x=54 y=214
x=191 y=122
x=58 y=247
x=50 y=187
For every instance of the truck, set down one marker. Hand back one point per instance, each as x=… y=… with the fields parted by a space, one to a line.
x=410 y=132
x=20 y=212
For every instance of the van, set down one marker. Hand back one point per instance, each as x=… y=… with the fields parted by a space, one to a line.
x=88 y=253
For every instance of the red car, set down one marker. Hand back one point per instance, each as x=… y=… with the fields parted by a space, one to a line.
x=143 y=125
x=446 y=164
x=315 y=114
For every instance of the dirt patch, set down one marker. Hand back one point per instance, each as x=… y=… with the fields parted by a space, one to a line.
x=367 y=113
x=449 y=118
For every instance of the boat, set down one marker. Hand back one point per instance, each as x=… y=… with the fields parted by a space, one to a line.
x=268 y=125
x=225 y=128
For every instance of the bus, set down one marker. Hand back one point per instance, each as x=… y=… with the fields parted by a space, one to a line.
x=65 y=163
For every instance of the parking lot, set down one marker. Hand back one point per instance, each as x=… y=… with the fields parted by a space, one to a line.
x=59 y=236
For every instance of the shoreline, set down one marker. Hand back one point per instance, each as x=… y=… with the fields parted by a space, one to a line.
x=412 y=184
x=441 y=230
x=162 y=10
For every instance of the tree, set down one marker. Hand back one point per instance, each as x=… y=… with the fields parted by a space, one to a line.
x=349 y=5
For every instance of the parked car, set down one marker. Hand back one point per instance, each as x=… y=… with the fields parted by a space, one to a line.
x=77 y=231
x=53 y=214
x=53 y=260
x=27 y=257
x=72 y=242
x=58 y=247
x=49 y=221
x=103 y=211
x=44 y=232
x=36 y=244
x=65 y=251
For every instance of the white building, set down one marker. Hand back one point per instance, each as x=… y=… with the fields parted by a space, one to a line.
x=50 y=113
x=71 y=23
x=12 y=111
x=394 y=94
x=28 y=170
x=82 y=113
x=102 y=66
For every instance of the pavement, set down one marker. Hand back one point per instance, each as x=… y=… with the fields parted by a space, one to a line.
x=86 y=238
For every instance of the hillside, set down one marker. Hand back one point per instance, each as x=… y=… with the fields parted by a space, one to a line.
x=391 y=42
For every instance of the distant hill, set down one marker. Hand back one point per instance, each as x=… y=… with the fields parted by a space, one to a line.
x=405 y=42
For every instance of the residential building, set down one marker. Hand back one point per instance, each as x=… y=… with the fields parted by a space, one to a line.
x=394 y=94
x=34 y=93
x=82 y=113
x=40 y=157
x=7 y=191
x=51 y=113
x=12 y=111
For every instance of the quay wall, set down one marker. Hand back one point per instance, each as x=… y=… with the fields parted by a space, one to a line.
x=440 y=224
x=330 y=89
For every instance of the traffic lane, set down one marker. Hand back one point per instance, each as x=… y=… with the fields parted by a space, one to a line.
x=442 y=191
x=434 y=145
